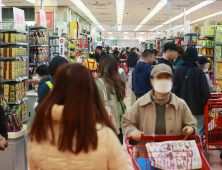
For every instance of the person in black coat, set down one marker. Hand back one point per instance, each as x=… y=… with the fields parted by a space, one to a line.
x=3 y=129
x=116 y=51
x=190 y=84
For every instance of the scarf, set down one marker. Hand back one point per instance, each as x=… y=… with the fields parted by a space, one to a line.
x=160 y=101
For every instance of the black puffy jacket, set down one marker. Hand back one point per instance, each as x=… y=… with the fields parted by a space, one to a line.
x=132 y=59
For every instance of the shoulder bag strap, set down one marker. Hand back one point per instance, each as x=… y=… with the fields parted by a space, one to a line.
x=181 y=93
x=120 y=102
x=104 y=89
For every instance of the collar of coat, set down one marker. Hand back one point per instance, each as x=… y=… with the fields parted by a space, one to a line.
x=146 y=99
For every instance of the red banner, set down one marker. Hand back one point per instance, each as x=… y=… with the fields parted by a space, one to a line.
x=48 y=19
x=86 y=43
x=80 y=43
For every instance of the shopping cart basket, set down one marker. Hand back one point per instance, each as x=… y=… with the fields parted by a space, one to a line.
x=213 y=124
x=149 y=160
x=124 y=66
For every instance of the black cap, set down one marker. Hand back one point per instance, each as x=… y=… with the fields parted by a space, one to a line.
x=191 y=51
x=203 y=60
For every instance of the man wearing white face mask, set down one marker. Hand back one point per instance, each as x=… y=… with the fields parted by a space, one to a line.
x=159 y=112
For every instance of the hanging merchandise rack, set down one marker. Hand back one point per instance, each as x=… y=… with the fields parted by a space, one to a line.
x=37 y=49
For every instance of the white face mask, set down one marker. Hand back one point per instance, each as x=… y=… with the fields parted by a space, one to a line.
x=162 y=86
x=124 y=52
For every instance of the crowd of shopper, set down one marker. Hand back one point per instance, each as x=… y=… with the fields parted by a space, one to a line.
x=75 y=124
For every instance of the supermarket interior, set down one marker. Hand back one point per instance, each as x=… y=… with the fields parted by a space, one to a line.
x=37 y=33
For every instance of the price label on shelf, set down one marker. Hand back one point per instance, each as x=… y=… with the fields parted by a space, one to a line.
x=19 y=18
x=62 y=46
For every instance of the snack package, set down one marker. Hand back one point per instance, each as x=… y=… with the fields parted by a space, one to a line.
x=17 y=122
x=18 y=116
x=9 y=121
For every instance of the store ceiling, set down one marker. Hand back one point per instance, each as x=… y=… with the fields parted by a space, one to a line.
x=105 y=12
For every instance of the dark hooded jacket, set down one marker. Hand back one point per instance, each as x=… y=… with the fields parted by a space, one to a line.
x=141 y=79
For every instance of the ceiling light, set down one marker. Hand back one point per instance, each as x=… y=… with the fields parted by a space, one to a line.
x=87 y=12
x=110 y=33
x=120 y=5
x=155 y=10
x=31 y=1
x=119 y=27
x=126 y=32
x=142 y=33
x=2 y=4
x=206 y=17
x=187 y=12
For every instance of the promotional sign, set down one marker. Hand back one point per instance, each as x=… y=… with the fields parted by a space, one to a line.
x=175 y=31
x=65 y=29
x=80 y=30
x=75 y=33
x=59 y=31
x=161 y=35
x=80 y=43
x=187 y=27
x=19 y=18
x=43 y=21
x=168 y=33
x=49 y=19
x=86 y=44
x=60 y=27
x=62 y=46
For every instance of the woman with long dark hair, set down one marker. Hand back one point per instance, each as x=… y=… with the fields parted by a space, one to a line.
x=115 y=86
x=72 y=129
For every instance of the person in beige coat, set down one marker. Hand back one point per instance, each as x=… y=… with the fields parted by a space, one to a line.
x=72 y=130
x=159 y=112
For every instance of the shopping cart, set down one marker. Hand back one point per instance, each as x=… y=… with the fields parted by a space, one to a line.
x=213 y=124
x=149 y=159
x=124 y=66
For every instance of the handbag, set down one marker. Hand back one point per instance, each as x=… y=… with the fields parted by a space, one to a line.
x=110 y=107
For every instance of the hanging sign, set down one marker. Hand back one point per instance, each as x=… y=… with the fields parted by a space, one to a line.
x=75 y=33
x=0 y=13
x=80 y=43
x=19 y=18
x=175 y=31
x=86 y=44
x=187 y=27
x=54 y=21
x=169 y=33
x=43 y=21
x=62 y=46
x=65 y=30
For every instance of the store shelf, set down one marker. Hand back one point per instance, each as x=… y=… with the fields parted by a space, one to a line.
x=34 y=64
x=73 y=39
x=13 y=58
x=13 y=43
x=67 y=51
x=55 y=45
x=37 y=27
x=53 y=37
x=204 y=47
x=55 y=52
x=206 y=55
x=38 y=45
x=14 y=135
x=14 y=30
x=14 y=80
x=190 y=43
x=25 y=119
x=209 y=71
x=178 y=37
x=18 y=101
x=218 y=78
x=65 y=34
x=218 y=43
x=207 y=36
x=191 y=33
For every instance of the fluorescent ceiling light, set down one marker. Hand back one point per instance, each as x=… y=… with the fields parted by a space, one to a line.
x=119 y=27
x=2 y=4
x=142 y=33
x=120 y=5
x=155 y=10
x=110 y=33
x=87 y=12
x=126 y=32
x=31 y=1
x=206 y=17
x=187 y=12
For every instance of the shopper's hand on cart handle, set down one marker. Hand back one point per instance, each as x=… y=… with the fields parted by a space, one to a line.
x=187 y=131
x=137 y=136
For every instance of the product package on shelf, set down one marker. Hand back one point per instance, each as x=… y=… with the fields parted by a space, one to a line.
x=219 y=34
x=218 y=70
x=218 y=53
x=38 y=55
x=13 y=37
x=38 y=38
x=12 y=69
x=12 y=52
x=174 y=155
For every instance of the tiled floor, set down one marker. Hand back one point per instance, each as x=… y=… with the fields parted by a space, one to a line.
x=213 y=157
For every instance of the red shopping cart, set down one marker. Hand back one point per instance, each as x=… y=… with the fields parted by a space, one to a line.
x=124 y=66
x=213 y=124
x=149 y=158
